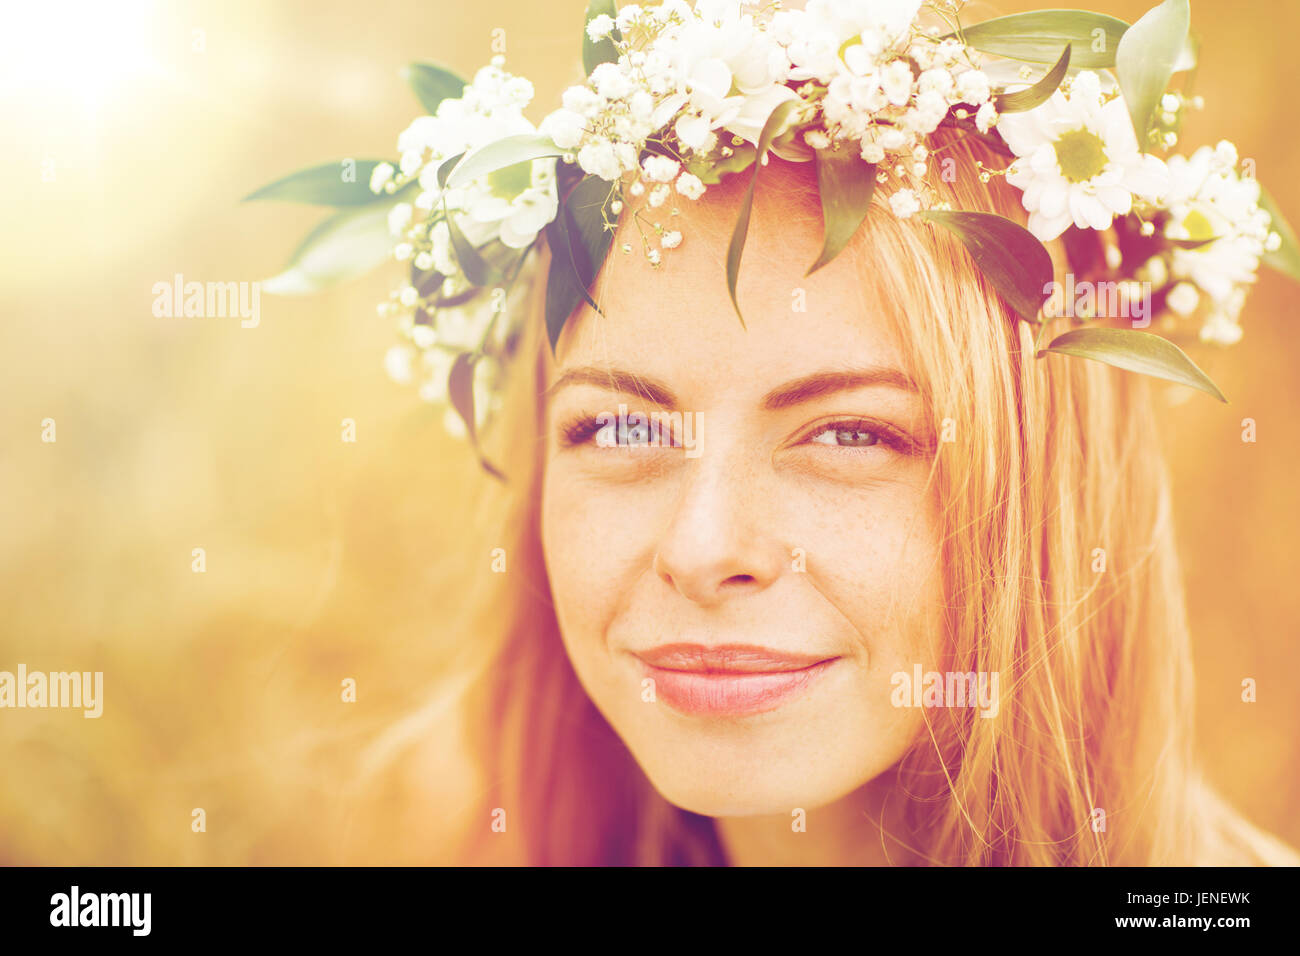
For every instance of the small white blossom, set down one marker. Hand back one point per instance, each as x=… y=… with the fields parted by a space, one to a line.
x=1225 y=155
x=904 y=203
x=399 y=362
x=690 y=186
x=411 y=162
x=380 y=176
x=1219 y=329
x=599 y=27
x=973 y=87
x=565 y=127
x=1183 y=298
x=628 y=15
x=399 y=217
x=423 y=336
x=896 y=81
x=660 y=169
x=599 y=159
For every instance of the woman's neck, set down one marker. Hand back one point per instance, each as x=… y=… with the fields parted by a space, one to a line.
x=847 y=832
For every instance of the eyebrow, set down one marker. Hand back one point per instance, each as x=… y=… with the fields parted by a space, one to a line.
x=795 y=392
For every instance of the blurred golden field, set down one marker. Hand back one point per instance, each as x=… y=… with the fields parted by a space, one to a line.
x=130 y=137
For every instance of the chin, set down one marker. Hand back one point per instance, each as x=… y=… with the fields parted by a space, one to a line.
x=745 y=791
x=734 y=771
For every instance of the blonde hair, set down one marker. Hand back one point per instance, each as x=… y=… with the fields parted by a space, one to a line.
x=1055 y=468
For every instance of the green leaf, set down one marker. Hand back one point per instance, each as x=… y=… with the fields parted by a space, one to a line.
x=460 y=389
x=1134 y=351
x=594 y=54
x=1037 y=94
x=1145 y=60
x=433 y=84
x=1009 y=256
x=1286 y=259
x=579 y=243
x=476 y=269
x=1190 y=243
x=1037 y=37
x=711 y=173
x=345 y=183
x=500 y=154
x=347 y=244
x=446 y=166
x=771 y=129
x=846 y=182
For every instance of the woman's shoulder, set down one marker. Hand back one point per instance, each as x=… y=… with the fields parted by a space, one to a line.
x=1230 y=839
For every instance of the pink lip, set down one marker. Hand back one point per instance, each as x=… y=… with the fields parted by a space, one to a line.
x=732 y=680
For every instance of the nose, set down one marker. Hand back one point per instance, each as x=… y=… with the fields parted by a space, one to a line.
x=719 y=541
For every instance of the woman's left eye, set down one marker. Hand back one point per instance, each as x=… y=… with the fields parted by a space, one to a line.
x=846 y=435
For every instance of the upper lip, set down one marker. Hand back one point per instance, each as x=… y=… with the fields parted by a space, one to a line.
x=728 y=659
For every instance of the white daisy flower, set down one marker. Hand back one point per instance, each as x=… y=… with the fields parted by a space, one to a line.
x=1209 y=200
x=1078 y=160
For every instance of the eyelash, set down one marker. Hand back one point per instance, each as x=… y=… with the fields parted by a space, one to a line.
x=883 y=433
x=582 y=428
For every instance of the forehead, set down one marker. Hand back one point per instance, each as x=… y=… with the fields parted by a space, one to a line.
x=677 y=321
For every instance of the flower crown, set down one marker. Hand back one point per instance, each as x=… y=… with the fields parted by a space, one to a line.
x=677 y=96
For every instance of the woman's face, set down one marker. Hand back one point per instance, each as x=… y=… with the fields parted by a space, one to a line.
x=736 y=594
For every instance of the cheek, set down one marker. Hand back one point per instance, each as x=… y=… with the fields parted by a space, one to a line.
x=875 y=557
x=590 y=543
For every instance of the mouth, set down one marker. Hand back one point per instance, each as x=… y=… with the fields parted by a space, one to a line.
x=732 y=680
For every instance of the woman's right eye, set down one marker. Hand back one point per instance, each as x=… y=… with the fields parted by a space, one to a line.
x=623 y=434
x=610 y=431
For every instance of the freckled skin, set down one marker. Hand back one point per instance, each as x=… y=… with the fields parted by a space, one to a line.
x=647 y=547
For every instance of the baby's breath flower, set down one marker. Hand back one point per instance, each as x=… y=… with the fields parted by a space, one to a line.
x=660 y=169
x=599 y=27
x=904 y=203
x=690 y=186
x=1183 y=298
x=423 y=336
x=380 y=176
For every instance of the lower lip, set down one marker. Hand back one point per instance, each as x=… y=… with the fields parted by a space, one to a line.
x=734 y=693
